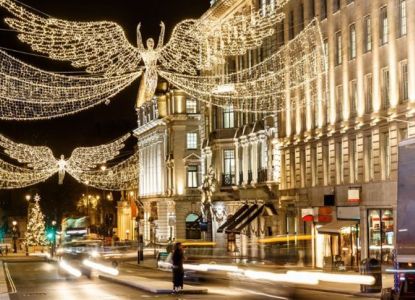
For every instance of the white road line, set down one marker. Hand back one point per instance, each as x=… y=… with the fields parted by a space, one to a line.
x=9 y=278
x=262 y=294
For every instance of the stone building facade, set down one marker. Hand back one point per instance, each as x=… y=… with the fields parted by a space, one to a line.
x=339 y=164
x=169 y=150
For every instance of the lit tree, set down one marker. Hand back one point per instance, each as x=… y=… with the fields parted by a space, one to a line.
x=35 y=234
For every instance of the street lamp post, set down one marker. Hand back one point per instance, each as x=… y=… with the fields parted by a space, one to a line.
x=53 y=238
x=28 y=198
x=14 y=236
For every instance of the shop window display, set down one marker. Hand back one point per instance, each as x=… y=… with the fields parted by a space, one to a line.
x=381 y=234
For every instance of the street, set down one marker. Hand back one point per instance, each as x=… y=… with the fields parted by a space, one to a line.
x=40 y=280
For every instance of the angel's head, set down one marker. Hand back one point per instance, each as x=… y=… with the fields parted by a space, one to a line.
x=150 y=44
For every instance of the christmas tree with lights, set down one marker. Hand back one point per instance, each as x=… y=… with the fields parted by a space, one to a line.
x=35 y=234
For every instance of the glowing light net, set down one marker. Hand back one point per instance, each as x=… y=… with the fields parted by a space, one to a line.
x=41 y=164
x=270 y=85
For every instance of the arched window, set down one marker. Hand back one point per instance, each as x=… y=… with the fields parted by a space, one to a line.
x=193 y=227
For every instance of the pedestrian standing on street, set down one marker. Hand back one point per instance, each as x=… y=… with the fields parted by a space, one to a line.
x=178 y=271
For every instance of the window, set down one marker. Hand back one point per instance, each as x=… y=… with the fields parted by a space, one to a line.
x=191 y=140
x=339 y=162
x=339 y=58
x=402 y=26
x=403 y=81
x=280 y=37
x=228 y=117
x=352 y=41
x=403 y=134
x=192 y=180
x=367 y=28
x=326 y=52
x=301 y=21
x=353 y=160
x=353 y=97
x=368 y=93
x=313 y=158
x=368 y=158
x=384 y=27
x=291 y=26
x=191 y=106
x=385 y=155
x=326 y=163
x=336 y=5
x=193 y=227
x=339 y=106
x=381 y=228
x=385 y=88
x=312 y=9
x=323 y=7
x=228 y=167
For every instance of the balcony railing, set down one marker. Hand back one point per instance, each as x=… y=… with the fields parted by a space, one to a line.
x=262 y=175
x=249 y=176
x=228 y=179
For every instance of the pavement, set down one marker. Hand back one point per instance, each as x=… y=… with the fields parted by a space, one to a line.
x=326 y=287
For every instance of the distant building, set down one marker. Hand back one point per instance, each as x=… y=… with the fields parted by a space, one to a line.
x=169 y=149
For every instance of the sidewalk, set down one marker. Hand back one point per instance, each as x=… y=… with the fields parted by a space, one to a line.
x=330 y=287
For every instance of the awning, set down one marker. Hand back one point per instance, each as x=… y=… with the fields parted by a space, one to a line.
x=336 y=226
x=241 y=218
x=229 y=221
x=248 y=221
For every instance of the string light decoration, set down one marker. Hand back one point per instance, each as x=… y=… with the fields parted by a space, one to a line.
x=27 y=93
x=102 y=48
x=41 y=164
x=120 y=177
x=278 y=83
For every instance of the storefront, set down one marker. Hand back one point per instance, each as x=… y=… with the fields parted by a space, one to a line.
x=380 y=234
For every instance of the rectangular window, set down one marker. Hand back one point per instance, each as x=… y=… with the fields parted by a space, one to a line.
x=339 y=58
x=381 y=231
x=403 y=134
x=402 y=26
x=323 y=8
x=313 y=166
x=191 y=140
x=326 y=163
x=291 y=25
x=192 y=177
x=353 y=161
x=339 y=107
x=336 y=5
x=353 y=97
x=385 y=155
x=368 y=158
x=403 y=81
x=368 y=94
x=191 y=106
x=367 y=28
x=326 y=52
x=301 y=17
x=352 y=41
x=228 y=117
x=280 y=37
x=228 y=167
x=312 y=9
x=339 y=162
x=385 y=88
x=384 y=26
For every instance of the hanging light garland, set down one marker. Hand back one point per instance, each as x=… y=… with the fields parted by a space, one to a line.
x=102 y=48
x=41 y=164
x=296 y=67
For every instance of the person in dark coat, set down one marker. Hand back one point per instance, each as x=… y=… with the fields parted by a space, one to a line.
x=178 y=271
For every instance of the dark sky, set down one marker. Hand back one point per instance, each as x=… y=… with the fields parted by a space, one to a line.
x=100 y=124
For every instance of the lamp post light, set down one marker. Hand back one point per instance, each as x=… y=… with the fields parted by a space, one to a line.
x=14 y=236
x=53 y=238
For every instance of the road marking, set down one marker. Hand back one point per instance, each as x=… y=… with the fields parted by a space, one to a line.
x=9 y=278
x=263 y=294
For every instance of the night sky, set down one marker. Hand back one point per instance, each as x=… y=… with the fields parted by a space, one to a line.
x=98 y=125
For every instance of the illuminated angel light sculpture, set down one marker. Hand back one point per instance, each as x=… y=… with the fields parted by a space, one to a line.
x=41 y=164
x=196 y=47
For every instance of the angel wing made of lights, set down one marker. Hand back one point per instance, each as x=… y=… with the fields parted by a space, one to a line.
x=102 y=48
x=40 y=159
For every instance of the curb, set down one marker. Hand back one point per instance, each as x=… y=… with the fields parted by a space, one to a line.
x=356 y=294
x=147 y=288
